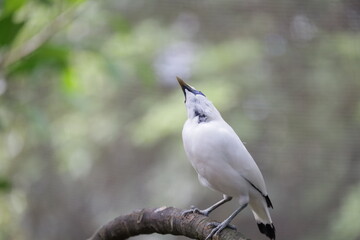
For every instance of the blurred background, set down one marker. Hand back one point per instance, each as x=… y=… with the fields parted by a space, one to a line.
x=91 y=113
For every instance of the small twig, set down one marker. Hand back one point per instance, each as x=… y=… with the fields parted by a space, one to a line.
x=164 y=220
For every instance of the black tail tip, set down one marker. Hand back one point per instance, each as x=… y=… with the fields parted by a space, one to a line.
x=267 y=229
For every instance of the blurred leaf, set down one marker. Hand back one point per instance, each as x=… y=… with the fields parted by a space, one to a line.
x=121 y=25
x=9 y=29
x=76 y=1
x=146 y=73
x=48 y=55
x=5 y=184
x=69 y=81
x=13 y=5
x=46 y=2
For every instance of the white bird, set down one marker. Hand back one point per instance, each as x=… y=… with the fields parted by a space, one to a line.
x=222 y=162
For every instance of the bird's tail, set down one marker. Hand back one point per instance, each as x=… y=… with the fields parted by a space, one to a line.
x=260 y=209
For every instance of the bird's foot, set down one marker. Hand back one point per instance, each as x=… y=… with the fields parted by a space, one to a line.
x=218 y=227
x=196 y=210
x=215 y=224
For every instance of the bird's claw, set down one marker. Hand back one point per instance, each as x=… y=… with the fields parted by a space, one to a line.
x=186 y=212
x=215 y=224
x=195 y=210
x=218 y=227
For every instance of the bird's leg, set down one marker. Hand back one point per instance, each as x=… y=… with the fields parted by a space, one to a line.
x=208 y=210
x=225 y=223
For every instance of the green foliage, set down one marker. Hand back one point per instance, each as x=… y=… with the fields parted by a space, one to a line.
x=11 y=6
x=5 y=184
x=56 y=58
x=9 y=28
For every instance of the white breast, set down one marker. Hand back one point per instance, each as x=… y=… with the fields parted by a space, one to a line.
x=220 y=158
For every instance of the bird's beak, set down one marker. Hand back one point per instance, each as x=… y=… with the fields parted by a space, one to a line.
x=184 y=86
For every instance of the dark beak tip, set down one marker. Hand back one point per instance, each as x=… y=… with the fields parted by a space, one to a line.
x=181 y=82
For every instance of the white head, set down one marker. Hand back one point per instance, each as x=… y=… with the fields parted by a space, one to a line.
x=197 y=105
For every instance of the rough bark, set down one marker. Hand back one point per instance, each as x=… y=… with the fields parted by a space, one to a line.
x=163 y=220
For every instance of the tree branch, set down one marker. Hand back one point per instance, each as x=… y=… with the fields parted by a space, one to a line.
x=164 y=220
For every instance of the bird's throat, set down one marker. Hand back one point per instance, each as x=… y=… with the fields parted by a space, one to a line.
x=201 y=116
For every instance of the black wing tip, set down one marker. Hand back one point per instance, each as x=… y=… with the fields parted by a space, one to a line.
x=267 y=229
x=268 y=201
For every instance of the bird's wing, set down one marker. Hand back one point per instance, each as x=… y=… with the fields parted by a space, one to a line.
x=240 y=159
x=218 y=145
